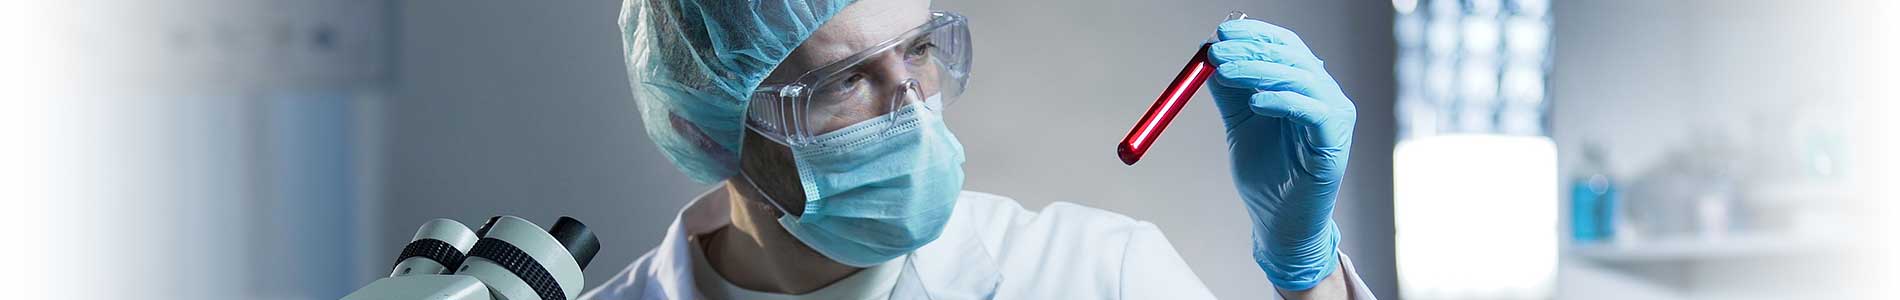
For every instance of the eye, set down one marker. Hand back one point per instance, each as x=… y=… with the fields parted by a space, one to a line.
x=854 y=80
x=920 y=48
x=849 y=84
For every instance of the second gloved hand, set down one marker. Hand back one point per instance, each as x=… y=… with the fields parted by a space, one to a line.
x=1289 y=128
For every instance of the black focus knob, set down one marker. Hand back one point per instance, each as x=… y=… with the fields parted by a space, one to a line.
x=580 y=242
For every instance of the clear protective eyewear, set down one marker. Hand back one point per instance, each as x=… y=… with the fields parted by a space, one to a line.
x=929 y=64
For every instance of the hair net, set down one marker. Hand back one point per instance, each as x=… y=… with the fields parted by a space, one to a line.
x=693 y=65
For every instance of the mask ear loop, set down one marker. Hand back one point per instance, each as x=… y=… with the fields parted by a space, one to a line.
x=762 y=194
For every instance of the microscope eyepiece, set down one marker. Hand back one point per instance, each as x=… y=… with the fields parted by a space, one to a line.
x=508 y=256
x=439 y=247
x=483 y=231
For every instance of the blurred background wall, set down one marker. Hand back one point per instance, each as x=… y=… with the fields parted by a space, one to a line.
x=1731 y=130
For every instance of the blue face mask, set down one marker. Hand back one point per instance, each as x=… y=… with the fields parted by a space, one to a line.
x=878 y=189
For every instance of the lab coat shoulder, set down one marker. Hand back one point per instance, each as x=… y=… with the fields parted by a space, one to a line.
x=1064 y=249
x=636 y=282
x=992 y=248
x=1070 y=251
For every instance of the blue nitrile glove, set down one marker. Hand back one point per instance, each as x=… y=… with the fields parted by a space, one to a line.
x=1289 y=129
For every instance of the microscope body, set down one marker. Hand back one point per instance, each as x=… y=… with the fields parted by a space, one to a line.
x=509 y=258
x=424 y=287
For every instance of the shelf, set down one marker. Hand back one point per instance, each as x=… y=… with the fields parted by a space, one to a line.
x=1739 y=246
x=1803 y=193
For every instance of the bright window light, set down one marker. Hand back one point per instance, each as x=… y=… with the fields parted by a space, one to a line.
x=1476 y=216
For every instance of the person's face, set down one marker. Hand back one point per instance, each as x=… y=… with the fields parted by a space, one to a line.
x=857 y=27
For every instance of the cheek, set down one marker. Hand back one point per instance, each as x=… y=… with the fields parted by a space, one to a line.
x=852 y=116
x=772 y=167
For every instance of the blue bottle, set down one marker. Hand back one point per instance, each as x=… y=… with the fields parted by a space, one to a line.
x=1593 y=200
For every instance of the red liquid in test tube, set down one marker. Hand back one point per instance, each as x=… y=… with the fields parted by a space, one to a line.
x=1169 y=104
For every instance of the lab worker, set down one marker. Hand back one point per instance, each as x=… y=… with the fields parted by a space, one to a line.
x=822 y=123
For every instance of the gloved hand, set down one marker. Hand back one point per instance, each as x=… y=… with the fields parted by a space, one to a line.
x=1289 y=128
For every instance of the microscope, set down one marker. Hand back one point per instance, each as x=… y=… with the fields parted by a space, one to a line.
x=508 y=258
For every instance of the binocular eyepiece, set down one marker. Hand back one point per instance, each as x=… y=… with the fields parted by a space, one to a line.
x=512 y=257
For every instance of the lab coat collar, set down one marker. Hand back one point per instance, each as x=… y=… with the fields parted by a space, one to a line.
x=955 y=266
x=672 y=271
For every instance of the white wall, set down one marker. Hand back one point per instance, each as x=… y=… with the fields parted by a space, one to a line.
x=1646 y=79
x=200 y=149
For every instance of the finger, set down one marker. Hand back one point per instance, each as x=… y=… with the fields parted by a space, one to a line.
x=1295 y=107
x=1265 y=76
x=1250 y=29
x=1240 y=50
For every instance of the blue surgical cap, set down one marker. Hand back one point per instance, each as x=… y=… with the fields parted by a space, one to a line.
x=693 y=65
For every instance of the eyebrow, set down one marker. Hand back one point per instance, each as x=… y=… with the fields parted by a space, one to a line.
x=836 y=52
x=844 y=47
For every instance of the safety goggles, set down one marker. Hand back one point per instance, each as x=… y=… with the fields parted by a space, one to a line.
x=926 y=65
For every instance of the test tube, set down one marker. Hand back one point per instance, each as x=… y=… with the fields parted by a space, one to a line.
x=1170 y=102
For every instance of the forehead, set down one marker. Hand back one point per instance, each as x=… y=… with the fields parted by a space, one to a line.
x=853 y=29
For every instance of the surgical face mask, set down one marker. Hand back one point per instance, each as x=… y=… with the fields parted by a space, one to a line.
x=878 y=189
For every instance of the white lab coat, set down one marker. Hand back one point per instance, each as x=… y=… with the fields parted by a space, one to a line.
x=991 y=249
